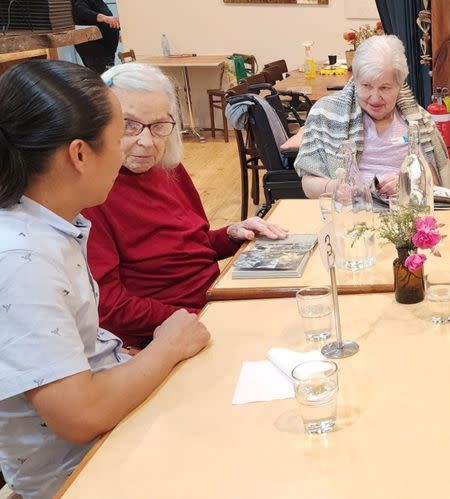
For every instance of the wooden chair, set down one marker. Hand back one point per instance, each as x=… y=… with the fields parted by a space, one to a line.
x=276 y=70
x=216 y=97
x=248 y=156
x=249 y=161
x=129 y=56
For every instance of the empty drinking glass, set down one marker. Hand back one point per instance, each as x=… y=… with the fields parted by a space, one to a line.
x=314 y=306
x=316 y=390
x=437 y=292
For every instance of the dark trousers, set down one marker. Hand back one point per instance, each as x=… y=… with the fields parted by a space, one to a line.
x=99 y=55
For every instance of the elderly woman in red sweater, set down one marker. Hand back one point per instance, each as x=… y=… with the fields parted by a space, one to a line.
x=151 y=249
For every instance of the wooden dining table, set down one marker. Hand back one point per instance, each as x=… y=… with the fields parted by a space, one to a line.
x=303 y=216
x=314 y=88
x=187 y=441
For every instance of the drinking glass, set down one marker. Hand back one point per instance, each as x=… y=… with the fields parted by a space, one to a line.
x=332 y=59
x=316 y=388
x=314 y=306
x=437 y=292
x=325 y=201
x=394 y=202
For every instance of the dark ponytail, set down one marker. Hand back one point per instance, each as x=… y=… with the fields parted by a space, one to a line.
x=44 y=105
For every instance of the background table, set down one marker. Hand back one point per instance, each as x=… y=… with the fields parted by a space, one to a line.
x=297 y=81
x=185 y=63
x=392 y=439
x=303 y=216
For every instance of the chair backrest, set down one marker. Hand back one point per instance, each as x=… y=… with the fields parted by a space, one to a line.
x=281 y=63
x=128 y=56
x=276 y=71
x=242 y=88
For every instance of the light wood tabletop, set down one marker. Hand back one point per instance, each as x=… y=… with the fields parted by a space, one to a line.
x=303 y=216
x=392 y=439
x=297 y=81
x=176 y=62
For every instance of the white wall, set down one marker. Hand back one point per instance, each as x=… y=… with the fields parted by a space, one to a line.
x=269 y=32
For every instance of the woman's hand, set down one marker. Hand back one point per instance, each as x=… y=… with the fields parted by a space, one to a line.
x=111 y=21
x=388 y=185
x=251 y=227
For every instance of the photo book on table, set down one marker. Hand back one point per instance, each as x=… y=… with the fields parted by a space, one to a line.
x=275 y=258
x=441 y=199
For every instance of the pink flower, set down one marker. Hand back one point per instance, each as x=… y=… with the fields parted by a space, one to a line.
x=426 y=236
x=414 y=262
x=426 y=224
x=426 y=239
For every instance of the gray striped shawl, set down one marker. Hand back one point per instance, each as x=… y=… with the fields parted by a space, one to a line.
x=339 y=117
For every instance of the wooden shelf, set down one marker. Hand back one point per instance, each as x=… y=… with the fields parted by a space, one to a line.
x=20 y=41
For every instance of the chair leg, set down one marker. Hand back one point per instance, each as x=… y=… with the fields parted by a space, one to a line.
x=211 y=115
x=255 y=186
x=224 y=119
x=244 y=192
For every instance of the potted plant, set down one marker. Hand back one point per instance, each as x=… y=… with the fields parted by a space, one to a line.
x=356 y=36
x=410 y=229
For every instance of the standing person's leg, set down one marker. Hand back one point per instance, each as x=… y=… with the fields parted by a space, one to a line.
x=92 y=55
x=109 y=42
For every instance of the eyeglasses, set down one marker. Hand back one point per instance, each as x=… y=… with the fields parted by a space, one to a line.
x=158 y=129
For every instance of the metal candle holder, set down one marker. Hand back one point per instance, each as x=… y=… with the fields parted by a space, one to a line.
x=337 y=349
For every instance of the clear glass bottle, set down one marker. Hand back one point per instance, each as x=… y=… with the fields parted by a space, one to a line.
x=309 y=66
x=165 y=45
x=415 y=179
x=352 y=204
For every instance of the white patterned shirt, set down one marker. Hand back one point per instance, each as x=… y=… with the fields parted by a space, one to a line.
x=49 y=330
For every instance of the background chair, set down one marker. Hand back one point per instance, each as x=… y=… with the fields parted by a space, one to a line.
x=129 y=56
x=216 y=96
x=277 y=70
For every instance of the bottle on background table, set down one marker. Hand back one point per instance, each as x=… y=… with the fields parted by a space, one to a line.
x=165 y=46
x=309 y=66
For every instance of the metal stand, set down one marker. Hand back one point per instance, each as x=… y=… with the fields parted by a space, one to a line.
x=191 y=130
x=337 y=349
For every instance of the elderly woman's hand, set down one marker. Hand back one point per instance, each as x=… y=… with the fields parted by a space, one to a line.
x=255 y=226
x=388 y=185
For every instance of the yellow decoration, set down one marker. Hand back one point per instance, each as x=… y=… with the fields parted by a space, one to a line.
x=335 y=71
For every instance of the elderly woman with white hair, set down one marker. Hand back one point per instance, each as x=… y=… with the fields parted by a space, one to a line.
x=373 y=110
x=151 y=249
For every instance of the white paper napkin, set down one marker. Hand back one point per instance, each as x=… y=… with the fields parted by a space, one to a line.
x=266 y=380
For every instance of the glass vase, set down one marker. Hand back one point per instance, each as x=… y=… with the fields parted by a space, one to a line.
x=409 y=286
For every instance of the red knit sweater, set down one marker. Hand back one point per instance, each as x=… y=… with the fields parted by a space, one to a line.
x=151 y=251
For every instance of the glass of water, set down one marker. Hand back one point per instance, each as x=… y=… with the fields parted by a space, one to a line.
x=325 y=201
x=316 y=390
x=437 y=292
x=315 y=307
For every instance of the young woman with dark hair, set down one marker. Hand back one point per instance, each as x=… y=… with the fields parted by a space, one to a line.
x=63 y=381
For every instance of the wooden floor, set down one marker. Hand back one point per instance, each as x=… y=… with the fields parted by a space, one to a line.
x=214 y=168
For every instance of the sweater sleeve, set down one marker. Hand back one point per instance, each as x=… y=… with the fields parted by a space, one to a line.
x=86 y=11
x=120 y=311
x=222 y=244
x=219 y=240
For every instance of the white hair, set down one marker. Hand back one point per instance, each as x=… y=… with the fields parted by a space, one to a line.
x=376 y=55
x=145 y=77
